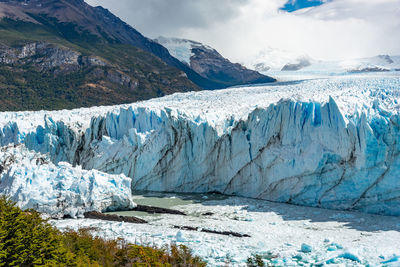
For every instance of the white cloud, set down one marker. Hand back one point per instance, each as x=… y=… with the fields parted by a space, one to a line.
x=339 y=29
x=155 y=17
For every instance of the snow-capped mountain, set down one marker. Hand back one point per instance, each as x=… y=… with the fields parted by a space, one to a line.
x=207 y=62
x=180 y=48
x=372 y=64
x=278 y=59
x=380 y=63
x=332 y=143
x=272 y=59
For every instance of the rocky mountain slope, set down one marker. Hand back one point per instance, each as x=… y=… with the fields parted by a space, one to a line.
x=49 y=60
x=207 y=62
x=98 y=25
x=57 y=54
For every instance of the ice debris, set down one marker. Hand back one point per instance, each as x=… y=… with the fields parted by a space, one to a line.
x=34 y=182
x=306 y=248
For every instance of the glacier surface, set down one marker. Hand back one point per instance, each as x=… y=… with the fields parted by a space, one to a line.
x=331 y=143
x=34 y=182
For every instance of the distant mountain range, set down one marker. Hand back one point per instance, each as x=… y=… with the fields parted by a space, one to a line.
x=271 y=59
x=57 y=54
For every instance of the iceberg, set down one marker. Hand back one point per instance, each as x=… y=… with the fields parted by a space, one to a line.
x=330 y=143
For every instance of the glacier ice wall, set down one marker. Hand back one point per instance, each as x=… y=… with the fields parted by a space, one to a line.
x=300 y=152
x=33 y=182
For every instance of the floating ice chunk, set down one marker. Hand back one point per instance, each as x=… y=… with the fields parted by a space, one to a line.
x=395 y=259
x=345 y=255
x=180 y=237
x=349 y=256
x=332 y=248
x=306 y=248
x=337 y=246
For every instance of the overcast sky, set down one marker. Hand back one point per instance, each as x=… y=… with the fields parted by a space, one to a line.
x=239 y=29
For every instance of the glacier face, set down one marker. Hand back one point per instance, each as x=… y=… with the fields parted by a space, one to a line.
x=34 y=182
x=329 y=143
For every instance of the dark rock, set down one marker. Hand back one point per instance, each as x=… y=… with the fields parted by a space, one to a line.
x=215 y=192
x=41 y=161
x=114 y=218
x=369 y=69
x=198 y=229
x=150 y=209
x=121 y=78
x=261 y=67
x=210 y=64
x=297 y=66
x=90 y=61
x=387 y=58
x=45 y=56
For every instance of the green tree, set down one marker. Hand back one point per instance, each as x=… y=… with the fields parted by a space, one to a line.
x=255 y=261
x=25 y=240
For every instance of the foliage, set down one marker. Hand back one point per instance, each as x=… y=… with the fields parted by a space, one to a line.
x=182 y=256
x=28 y=240
x=255 y=261
x=25 y=240
x=93 y=251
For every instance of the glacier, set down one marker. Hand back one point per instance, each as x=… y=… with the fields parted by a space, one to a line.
x=330 y=143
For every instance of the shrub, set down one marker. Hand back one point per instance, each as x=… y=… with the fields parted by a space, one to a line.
x=25 y=240
x=255 y=261
x=28 y=240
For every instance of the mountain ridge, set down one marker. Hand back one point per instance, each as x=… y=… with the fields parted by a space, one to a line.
x=210 y=64
x=101 y=22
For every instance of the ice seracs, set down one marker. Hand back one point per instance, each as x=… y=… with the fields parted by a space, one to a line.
x=327 y=143
x=34 y=182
